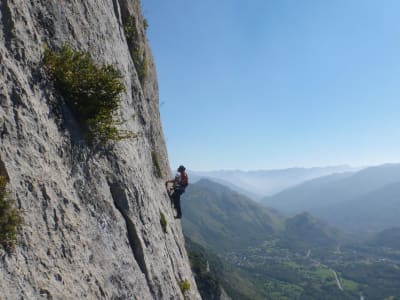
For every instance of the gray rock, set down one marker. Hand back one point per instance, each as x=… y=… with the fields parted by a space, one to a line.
x=224 y=295
x=91 y=218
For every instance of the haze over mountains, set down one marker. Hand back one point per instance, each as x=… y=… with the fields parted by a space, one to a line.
x=365 y=201
x=353 y=200
x=260 y=183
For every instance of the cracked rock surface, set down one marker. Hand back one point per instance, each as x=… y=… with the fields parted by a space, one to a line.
x=91 y=216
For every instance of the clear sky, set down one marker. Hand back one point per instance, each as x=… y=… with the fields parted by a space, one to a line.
x=265 y=84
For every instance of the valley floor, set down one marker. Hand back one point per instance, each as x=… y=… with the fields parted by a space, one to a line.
x=352 y=273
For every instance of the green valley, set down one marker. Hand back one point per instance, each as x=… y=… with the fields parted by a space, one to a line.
x=294 y=258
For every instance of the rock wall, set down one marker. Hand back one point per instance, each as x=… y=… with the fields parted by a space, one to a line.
x=91 y=216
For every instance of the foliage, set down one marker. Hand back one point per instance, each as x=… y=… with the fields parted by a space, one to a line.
x=145 y=24
x=184 y=285
x=92 y=92
x=349 y=285
x=156 y=164
x=207 y=269
x=163 y=222
x=10 y=219
x=381 y=280
x=137 y=54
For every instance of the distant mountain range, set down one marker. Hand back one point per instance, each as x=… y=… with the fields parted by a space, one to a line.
x=365 y=201
x=219 y=218
x=257 y=184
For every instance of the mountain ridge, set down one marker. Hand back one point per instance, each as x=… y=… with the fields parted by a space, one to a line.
x=341 y=194
x=211 y=208
x=259 y=183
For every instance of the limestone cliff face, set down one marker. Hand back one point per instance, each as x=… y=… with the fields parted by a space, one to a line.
x=91 y=216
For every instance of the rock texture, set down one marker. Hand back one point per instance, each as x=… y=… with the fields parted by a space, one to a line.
x=91 y=216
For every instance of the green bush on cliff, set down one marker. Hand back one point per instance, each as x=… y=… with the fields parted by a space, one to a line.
x=145 y=24
x=133 y=39
x=10 y=219
x=92 y=92
x=163 y=222
x=156 y=164
x=184 y=286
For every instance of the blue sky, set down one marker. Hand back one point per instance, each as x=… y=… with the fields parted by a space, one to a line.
x=265 y=84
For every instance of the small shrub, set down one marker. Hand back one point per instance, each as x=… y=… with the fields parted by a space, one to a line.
x=184 y=286
x=145 y=24
x=156 y=164
x=138 y=56
x=141 y=69
x=92 y=92
x=10 y=219
x=163 y=222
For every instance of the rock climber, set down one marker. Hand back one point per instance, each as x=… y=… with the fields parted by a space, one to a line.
x=180 y=182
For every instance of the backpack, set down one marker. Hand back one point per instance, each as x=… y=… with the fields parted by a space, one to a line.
x=184 y=179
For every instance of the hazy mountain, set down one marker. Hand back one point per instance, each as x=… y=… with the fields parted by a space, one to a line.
x=220 y=218
x=372 y=212
x=389 y=238
x=258 y=184
x=217 y=217
x=303 y=231
x=366 y=200
x=194 y=177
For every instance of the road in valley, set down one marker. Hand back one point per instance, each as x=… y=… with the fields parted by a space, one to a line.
x=337 y=280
